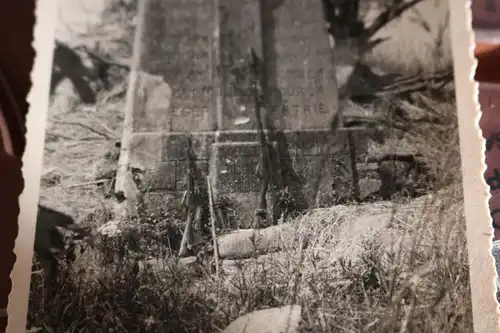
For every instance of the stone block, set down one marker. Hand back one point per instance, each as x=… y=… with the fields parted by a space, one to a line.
x=237 y=244
x=144 y=149
x=202 y=168
x=295 y=61
x=185 y=61
x=307 y=165
x=246 y=243
x=244 y=205
x=152 y=102
x=234 y=165
x=162 y=177
x=239 y=32
x=175 y=146
x=239 y=136
x=148 y=150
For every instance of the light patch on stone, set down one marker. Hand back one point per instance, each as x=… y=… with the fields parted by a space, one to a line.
x=241 y=120
x=284 y=320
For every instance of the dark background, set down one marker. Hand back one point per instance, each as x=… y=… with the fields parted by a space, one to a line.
x=488 y=57
x=17 y=19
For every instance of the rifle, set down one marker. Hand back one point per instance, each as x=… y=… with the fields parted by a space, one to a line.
x=193 y=204
x=264 y=168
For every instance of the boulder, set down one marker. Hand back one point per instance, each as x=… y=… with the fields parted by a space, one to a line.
x=285 y=319
x=246 y=243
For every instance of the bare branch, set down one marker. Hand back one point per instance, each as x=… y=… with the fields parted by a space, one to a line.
x=72 y=123
x=99 y=58
x=94 y=182
x=417 y=83
x=392 y=12
x=104 y=126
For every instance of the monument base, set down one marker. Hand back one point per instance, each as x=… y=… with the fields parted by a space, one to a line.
x=313 y=165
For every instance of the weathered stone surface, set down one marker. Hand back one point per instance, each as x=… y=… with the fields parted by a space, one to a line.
x=246 y=243
x=301 y=85
x=176 y=42
x=147 y=150
x=285 y=319
x=301 y=155
x=239 y=33
x=192 y=80
x=234 y=165
x=237 y=244
x=163 y=158
x=152 y=100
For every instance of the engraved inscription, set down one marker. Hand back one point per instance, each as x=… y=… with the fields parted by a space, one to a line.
x=187 y=64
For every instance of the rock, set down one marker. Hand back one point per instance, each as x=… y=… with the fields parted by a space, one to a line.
x=277 y=237
x=285 y=319
x=246 y=243
x=237 y=244
x=188 y=261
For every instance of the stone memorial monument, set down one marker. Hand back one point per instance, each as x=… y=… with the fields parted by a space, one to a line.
x=205 y=72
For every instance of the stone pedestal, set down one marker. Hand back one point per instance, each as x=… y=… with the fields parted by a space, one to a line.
x=193 y=79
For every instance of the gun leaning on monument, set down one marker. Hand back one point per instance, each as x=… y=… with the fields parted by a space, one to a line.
x=264 y=168
x=194 y=206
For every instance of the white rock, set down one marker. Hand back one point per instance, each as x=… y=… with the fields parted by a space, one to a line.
x=275 y=320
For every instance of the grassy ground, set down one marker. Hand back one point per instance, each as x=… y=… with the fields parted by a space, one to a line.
x=424 y=287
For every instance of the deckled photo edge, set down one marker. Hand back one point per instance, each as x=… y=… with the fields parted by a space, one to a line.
x=479 y=236
x=44 y=37
x=482 y=272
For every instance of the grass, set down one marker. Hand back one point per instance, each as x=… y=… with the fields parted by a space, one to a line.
x=423 y=288
x=420 y=284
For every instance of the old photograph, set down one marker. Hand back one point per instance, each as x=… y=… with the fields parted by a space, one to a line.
x=251 y=166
